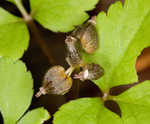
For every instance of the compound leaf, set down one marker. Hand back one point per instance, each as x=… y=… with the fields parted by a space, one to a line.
x=16 y=93
x=15 y=90
x=36 y=116
x=61 y=15
x=123 y=33
x=85 y=111
x=14 y=36
x=135 y=104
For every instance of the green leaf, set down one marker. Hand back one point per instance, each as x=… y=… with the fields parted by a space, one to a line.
x=85 y=111
x=36 y=116
x=61 y=15
x=123 y=33
x=134 y=104
x=15 y=90
x=14 y=36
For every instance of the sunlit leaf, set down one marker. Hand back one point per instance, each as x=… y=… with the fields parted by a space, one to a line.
x=36 y=116
x=15 y=90
x=61 y=15
x=14 y=36
x=123 y=33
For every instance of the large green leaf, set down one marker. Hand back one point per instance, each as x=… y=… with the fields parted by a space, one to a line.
x=36 y=116
x=123 y=33
x=134 y=104
x=61 y=15
x=85 y=111
x=14 y=36
x=16 y=94
x=15 y=90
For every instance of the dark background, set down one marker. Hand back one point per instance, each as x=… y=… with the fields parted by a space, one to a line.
x=38 y=64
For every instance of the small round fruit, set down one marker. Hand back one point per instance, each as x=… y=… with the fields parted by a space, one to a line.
x=88 y=36
x=73 y=57
x=55 y=82
x=90 y=72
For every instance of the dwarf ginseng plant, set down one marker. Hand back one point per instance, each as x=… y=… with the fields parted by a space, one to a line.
x=16 y=82
x=119 y=36
x=123 y=33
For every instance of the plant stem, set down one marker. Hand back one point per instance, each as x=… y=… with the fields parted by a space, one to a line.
x=69 y=70
x=34 y=30
x=38 y=38
x=23 y=11
x=105 y=95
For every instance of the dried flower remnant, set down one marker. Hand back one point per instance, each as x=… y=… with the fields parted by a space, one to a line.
x=90 y=72
x=73 y=57
x=88 y=36
x=55 y=82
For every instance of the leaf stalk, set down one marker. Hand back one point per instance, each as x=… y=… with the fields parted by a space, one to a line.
x=34 y=30
x=23 y=11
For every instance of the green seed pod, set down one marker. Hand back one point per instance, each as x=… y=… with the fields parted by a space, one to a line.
x=88 y=36
x=55 y=82
x=90 y=72
x=73 y=57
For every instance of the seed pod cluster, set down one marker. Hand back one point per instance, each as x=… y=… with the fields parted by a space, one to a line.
x=87 y=35
x=55 y=82
x=90 y=72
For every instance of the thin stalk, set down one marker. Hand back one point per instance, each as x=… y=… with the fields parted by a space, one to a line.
x=34 y=30
x=38 y=38
x=23 y=11
x=69 y=70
